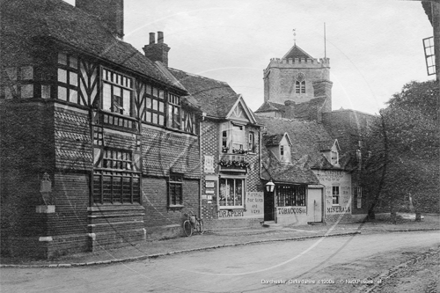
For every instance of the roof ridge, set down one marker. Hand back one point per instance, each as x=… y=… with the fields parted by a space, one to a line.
x=200 y=76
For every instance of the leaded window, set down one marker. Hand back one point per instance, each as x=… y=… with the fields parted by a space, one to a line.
x=17 y=82
x=68 y=80
x=152 y=104
x=174 y=111
x=175 y=190
x=117 y=90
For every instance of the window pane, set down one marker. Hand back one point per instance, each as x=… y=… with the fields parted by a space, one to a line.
x=27 y=73
x=73 y=62
x=45 y=91
x=27 y=91
x=73 y=78
x=161 y=120
x=62 y=75
x=148 y=103
x=62 y=93
x=161 y=94
x=127 y=102
x=155 y=105
x=230 y=192
x=155 y=92
x=107 y=97
x=222 y=199
x=238 y=192
x=155 y=120
x=73 y=96
x=161 y=107
x=62 y=58
x=148 y=117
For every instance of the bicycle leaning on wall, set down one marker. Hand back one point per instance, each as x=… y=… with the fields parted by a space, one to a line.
x=191 y=224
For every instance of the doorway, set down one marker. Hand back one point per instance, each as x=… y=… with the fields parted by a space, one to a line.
x=314 y=205
x=269 y=206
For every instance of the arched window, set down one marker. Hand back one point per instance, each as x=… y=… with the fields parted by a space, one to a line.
x=300 y=84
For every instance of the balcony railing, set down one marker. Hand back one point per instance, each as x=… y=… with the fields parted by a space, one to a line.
x=117 y=121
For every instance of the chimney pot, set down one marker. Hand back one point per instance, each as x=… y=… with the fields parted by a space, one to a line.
x=152 y=38
x=160 y=37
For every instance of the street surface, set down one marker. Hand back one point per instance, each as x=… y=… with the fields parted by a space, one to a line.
x=277 y=266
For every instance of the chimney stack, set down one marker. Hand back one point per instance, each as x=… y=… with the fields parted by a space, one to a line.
x=109 y=12
x=157 y=51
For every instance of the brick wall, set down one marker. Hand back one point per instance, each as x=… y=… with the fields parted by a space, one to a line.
x=26 y=153
x=164 y=150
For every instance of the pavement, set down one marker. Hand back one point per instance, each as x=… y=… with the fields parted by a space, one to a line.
x=215 y=239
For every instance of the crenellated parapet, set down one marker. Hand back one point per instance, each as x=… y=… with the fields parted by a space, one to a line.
x=299 y=63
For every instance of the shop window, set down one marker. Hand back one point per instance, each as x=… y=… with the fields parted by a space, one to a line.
x=357 y=195
x=231 y=192
x=68 y=78
x=335 y=195
x=117 y=92
x=290 y=195
x=175 y=190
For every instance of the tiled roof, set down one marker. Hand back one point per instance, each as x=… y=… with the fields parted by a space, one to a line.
x=305 y=136
x=270 y=106
x=296 y=52
x=272 y=140
x=68 y=25
x=215 y=98
x=287 y=173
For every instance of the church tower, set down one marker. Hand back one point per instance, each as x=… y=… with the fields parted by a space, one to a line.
x=298 y=78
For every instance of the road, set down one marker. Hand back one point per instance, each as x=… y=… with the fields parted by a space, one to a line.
x=235 y=269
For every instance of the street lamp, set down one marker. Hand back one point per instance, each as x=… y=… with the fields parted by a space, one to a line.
x=270 y=186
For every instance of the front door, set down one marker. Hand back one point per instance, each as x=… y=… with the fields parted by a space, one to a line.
x=314 y=205
x=268 y=206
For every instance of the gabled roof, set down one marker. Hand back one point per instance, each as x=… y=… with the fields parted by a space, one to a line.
x=297 y=52
x=275 y=139
x=246 y=113
x=58 y=21
x=216 y=98
x=270 y=106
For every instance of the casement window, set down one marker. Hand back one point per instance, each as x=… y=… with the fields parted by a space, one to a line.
x=114 y=179
x=117 y=92
x=233 y=138
x=300 y=87
x=231 y=192
x=174 y=111
x=152 y=104
x=17 y=82
x=251 y=142
x=68 y=80
x=290 y=195
x=335 y=195
x=175 y=190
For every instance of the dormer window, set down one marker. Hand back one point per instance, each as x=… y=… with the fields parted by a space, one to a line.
x=334 y=157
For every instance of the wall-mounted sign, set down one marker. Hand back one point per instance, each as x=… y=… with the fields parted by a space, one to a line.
x=209 y=164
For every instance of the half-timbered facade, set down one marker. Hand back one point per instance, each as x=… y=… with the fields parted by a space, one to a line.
x=99 y=146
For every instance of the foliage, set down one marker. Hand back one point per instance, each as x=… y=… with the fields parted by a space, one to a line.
x=405 y=146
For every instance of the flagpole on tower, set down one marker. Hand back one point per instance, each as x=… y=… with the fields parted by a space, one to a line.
x=325 y=43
